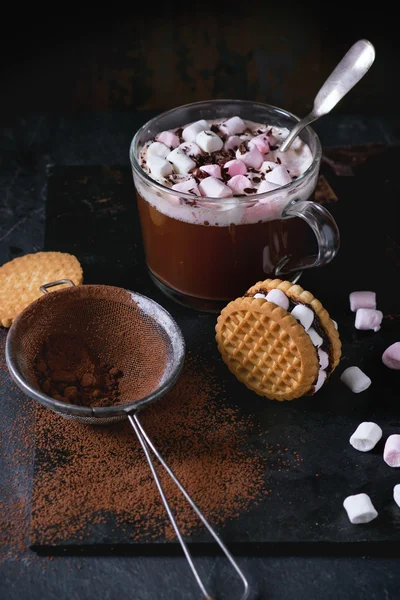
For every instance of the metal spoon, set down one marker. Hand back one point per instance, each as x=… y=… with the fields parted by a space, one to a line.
x=348 y=72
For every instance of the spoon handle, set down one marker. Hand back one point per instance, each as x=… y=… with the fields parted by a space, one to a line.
x=296 y=130
x=353 y=66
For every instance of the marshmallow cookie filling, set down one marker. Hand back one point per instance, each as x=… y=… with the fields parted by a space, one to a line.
x=312 y=326
x=278 y=340
x=224 y=158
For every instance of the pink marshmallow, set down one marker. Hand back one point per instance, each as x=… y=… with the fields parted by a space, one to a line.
x=169 y=138
x=368 y=318
x=214 y=188
x=233 y=142
x=213 y=170
x=233 y=126
x=391 y=356
x=261 y=141
x=235 y=167
x=391 y=452
x=266 y=186
x=252 y=157
x=279 y=175
x=239 y=183
x=189 y=186
x=362 y=300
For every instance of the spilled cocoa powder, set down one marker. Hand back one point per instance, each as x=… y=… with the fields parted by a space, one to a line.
x=87 y=473
x=16 y=453
x=83 y=468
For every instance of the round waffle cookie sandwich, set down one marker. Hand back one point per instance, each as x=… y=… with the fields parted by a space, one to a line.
x=21 y=278
x=278 y=340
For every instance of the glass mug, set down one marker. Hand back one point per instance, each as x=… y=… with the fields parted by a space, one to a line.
x=203 y=252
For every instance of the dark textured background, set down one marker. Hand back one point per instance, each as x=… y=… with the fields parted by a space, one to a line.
x=65 y=65
x=157 y=56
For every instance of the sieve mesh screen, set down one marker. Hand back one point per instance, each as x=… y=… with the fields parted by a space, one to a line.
x=121 y=328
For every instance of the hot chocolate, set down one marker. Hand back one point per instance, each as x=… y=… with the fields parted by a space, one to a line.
x=214 y=250
x=218 y=200
x=215 y=261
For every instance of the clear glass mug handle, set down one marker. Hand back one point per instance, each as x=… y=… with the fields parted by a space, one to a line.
x=325 y=230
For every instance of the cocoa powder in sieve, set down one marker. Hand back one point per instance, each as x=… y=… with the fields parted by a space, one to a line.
x=67 y=370
x=90 y=475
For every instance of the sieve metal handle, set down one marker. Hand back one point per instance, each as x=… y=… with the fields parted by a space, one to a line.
x=43 y=288
x=147 y=445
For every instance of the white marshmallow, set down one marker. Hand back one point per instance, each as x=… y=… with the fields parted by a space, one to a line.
x=366 y=436
x=209 y=141
x=362 y=300
x=315 y=337
x=190 y=132
x=260 y=296
x=368 y=318
x=266 y=186
x=278 y=134
x=323 y=358
x=158 y=149
x=268 y=166
x=321 y=380
x=181 y=161
x=189 y=186
x=159 y=167
x=279 y=175
x=233 y=126
x=214 y=188
x=396 y=494
x=360 y=509
x=303 y=314
x=334 y=324
x=391 y=356
x=279 y=298
x=391 y=452
x=190 y=148
x=232 y=143
x=355 y=379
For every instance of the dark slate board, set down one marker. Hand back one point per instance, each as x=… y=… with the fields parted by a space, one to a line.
x=91 y=212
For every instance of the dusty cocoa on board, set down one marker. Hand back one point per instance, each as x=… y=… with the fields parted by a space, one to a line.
x=16 y=454
x=188 y=425
x=103 y=470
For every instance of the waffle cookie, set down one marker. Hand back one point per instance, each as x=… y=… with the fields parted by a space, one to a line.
x=274 y=352
x=21 y=278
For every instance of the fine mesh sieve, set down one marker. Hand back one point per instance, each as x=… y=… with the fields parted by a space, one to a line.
x=123 y=329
